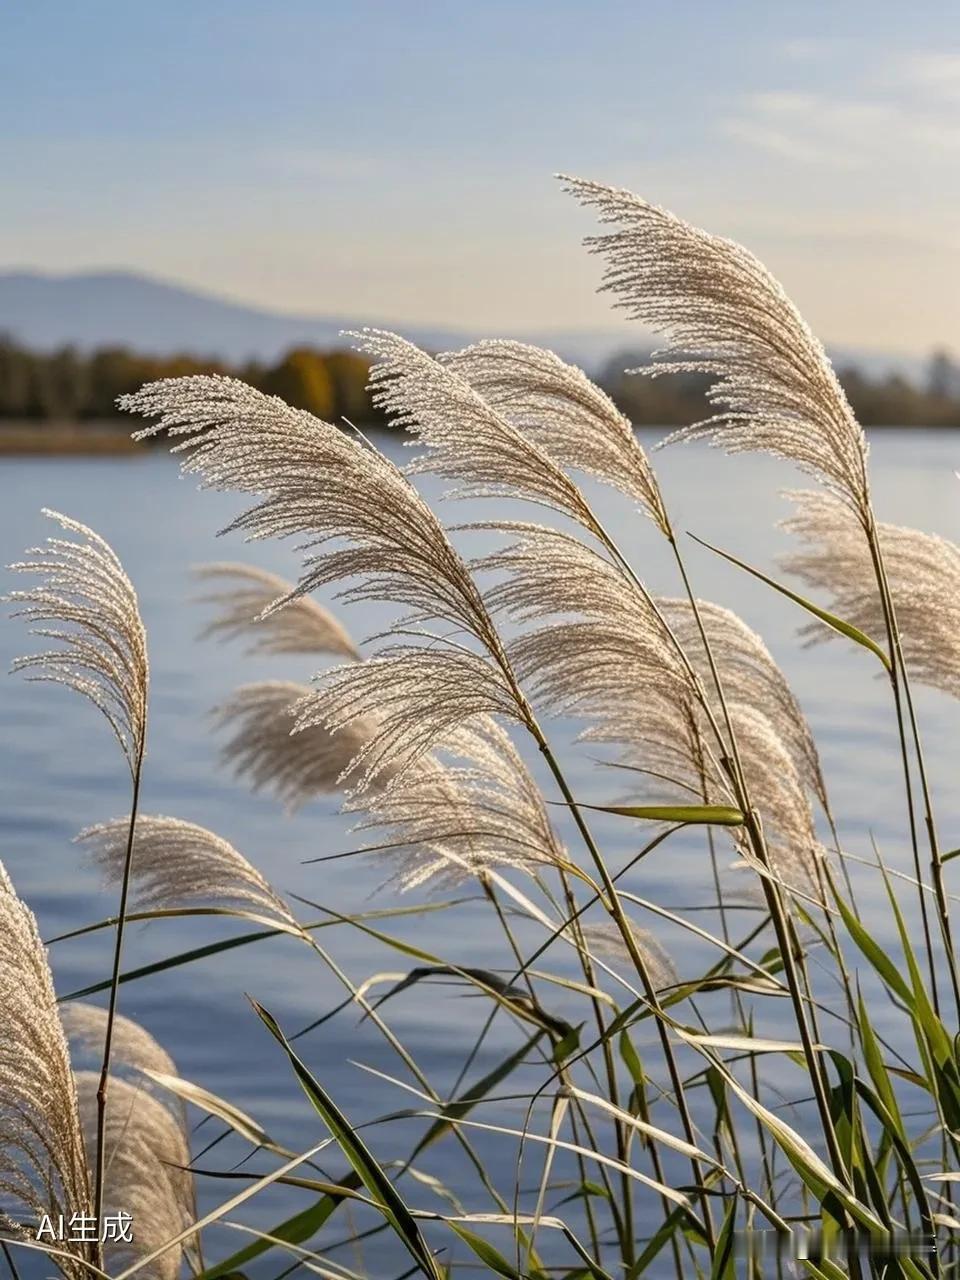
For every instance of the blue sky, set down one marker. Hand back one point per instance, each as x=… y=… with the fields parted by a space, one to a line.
x=394 y=160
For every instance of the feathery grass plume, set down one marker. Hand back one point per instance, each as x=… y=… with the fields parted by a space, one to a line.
x=43 y=1167
x=133 y=1046
x=466 y=438
x=446 y=821
x=418 y=697
x=724 y=314
x=244 y=608
x=606 y=940
x=616 y=635
x=102 y=651
x=318 y=483
x=615 y=666
x=145 y=1142
x=557 y=406
x=178 y=864
x=777 y=792
x=749 y=675
x=664 y=739
x=924 y=575
x=263 y=749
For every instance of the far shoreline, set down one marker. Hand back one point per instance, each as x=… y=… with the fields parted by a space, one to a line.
x=46 y=438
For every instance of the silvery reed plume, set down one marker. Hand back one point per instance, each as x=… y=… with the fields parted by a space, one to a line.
x=670 y=1112
x=43 y=1166
x=246 y=602
x=86 y=604
x=448 y=821
x=605 y=940
x=923 y=572
x=263 y=748
x=146 y=1174
x=133 y=1046
x=101 y=654
x=262 y=717
x=724 y=314
x=179 y=864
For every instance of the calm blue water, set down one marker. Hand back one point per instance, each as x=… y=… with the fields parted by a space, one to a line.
x=60 y=770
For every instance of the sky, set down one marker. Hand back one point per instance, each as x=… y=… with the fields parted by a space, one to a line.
x=394 y=160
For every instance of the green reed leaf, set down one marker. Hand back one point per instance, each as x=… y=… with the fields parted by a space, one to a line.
x=830 y=619
x=294 y=1230
x=361 y=1160
x=720 y=815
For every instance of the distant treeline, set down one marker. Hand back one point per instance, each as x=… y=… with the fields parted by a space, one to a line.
x=891 y=400
x=71 y=386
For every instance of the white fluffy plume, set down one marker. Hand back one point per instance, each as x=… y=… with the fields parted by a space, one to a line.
x=606 y=940
x=263 y=749
x=923 y=571
x=245 y=607
x=444 y=821
x=43 y=1168
x=749 y=676
x=417 y=696
x=723 y=314
x=133 y=1046
x=613 y=633
x=466 y=438
x=317 y=483
x=177 y=863
x=86 y=604
x=603 y=652
x=557 y=406
x=144 y=1144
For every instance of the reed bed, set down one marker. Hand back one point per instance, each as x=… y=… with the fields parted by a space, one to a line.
x=653 y=1123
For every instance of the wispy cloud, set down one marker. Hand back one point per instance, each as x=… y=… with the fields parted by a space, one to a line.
x=900 y=111
x=936 y=75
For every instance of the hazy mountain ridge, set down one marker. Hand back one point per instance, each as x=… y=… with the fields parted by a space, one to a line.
x=89 y=309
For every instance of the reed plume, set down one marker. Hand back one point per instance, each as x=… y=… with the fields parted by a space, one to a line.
x=446 y=820
x=417 y=697
x=146 y=1157
x=605 y=655
x=749 y=675
x=43 y=1166
x=244 y=607
x=179 y=864
x=466 y=439
x=555 y=405
x=923 y=571
x=102 y=648
x=318 y=483
x=605 y=939
x=263 y=749
x=724 y=315
x=615 y=635
x=133 y=1046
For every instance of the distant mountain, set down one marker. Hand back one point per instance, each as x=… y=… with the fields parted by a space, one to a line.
x=102 y=308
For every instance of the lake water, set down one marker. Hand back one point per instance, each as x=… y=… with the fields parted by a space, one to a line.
x=60 y=771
